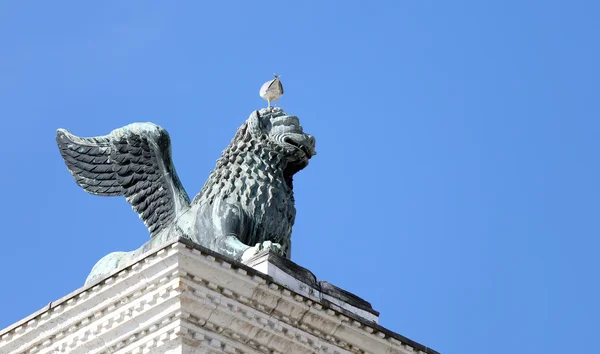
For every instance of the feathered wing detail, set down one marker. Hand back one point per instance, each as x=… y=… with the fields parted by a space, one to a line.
x=278 y=83
x=133 y=161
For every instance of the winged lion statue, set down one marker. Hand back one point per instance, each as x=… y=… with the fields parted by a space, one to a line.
x=245 y=206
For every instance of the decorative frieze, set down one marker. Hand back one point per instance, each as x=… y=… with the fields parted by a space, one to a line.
x=185 y=299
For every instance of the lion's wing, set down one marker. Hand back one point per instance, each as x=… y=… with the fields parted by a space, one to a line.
x=133 y=161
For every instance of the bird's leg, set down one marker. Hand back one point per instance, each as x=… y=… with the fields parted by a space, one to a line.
x=268 y=103
x=275 y=104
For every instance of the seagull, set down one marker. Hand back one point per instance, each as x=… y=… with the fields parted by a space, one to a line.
x=272 y=90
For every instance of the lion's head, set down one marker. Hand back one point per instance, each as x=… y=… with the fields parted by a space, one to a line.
x=282 y=133
x=269 y=148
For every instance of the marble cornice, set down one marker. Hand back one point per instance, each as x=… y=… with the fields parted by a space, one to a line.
x=184 y=295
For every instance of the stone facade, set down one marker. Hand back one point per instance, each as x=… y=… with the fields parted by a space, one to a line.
x=182 y=298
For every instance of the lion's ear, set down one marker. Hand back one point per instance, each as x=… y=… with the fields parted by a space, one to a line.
x=254 y=124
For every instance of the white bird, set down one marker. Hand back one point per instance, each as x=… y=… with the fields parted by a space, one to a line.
x=272 y=90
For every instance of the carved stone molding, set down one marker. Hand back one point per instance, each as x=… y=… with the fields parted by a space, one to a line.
x=183 y=298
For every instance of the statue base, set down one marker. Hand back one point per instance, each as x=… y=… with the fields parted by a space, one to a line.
x=183 y=298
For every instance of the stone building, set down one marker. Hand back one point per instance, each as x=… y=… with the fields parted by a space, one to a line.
x=183 y=298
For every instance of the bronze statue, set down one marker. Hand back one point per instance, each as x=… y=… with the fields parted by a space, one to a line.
x=246 y=205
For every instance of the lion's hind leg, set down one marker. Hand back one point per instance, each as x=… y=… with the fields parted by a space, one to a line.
x=107 y=264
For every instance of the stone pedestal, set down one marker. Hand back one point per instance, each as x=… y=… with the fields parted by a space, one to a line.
x=182 y=298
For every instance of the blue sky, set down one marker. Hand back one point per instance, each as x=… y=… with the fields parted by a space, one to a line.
x=457 y=182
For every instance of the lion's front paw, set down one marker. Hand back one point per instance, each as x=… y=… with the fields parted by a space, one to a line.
x=253 y=251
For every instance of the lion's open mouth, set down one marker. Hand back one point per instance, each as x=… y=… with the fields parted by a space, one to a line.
x=298 y=146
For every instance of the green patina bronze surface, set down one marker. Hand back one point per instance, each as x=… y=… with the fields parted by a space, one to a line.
x=245 y=206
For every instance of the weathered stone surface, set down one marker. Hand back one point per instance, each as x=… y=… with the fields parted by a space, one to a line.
x=183 y=298
x=247 y=204
x=304 y=282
